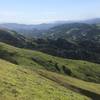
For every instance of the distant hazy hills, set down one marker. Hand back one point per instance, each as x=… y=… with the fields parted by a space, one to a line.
x=29 y=30
x=92 y=21
x=75 y=32
x=39 y=29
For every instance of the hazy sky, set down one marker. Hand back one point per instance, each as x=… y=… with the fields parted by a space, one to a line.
x=39 y=11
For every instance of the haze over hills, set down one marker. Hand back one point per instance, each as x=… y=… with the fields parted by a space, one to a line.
x=45 y=26
x=92 y=21
x=39 y=29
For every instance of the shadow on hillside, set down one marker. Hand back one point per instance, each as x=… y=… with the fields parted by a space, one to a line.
x=87 y=93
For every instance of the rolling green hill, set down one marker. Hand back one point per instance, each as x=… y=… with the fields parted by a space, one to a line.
x=17 y=82
x=34 y=60
x=22 y=84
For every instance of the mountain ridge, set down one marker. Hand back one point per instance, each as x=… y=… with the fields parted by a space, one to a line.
x=30 y=30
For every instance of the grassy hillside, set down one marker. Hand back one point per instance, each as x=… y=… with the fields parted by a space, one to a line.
x=89 y=89
x=17 y=83
x=32 y=59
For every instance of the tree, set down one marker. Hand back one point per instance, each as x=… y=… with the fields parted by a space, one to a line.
x=66 y=70
x=57 y=67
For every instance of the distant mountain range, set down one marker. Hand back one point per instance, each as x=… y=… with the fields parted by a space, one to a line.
x=92 y=21
x=45 y=26
x=39 y=29
x=75 y=32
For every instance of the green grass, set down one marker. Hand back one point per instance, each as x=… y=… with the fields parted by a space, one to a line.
x=72 y=83
x=32 y=59
x=17 y=83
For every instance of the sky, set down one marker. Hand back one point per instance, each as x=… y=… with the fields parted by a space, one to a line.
x=44 y=11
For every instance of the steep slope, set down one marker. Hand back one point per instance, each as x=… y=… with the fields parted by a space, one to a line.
x=22 y=84
x=33 y=59
x=12 y=38
x=87 y=88
x=15 y=39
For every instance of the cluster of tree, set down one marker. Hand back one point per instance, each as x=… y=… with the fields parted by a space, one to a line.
x=83 y=50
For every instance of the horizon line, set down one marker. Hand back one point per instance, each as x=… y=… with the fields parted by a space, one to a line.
x=50 y=22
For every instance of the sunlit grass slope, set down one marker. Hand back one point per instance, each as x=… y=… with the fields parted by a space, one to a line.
x=17 y=83
x=87 y=88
